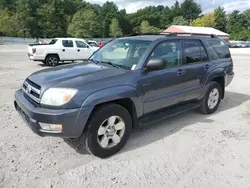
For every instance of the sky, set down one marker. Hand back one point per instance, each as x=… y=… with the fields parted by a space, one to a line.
x=207 y=5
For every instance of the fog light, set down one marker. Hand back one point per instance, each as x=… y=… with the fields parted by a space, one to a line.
x=51 y=127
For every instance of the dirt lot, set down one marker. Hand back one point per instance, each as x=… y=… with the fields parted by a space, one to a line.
x=190 y=150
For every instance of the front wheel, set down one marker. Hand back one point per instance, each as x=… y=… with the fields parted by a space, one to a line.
x=108 y=130
x=212 y=99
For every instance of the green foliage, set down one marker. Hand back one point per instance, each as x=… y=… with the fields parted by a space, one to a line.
x=220 y=22
x=84 y=24
x=77 y=18
x=115 y=30
x=190 y=10
x=207 y=20
x=146 y=28
x=179 y=20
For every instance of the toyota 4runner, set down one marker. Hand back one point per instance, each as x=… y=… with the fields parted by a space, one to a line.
x=129 y=82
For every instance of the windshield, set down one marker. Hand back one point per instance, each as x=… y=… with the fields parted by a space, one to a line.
x=124 y=53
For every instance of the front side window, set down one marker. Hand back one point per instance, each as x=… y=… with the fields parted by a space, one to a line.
x=125 y=53
x=68 y=43
x=169 y=51
x=81 y=44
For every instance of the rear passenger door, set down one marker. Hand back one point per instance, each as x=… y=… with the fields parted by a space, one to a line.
x=68 y=50
x=195 y=64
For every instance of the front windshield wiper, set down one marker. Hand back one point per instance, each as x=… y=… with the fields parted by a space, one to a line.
x=112 y=64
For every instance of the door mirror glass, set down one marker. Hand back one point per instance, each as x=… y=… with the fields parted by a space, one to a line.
x=156 y=64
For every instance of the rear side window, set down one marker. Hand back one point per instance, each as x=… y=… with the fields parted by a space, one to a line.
x=194 y=52
x=67 y=43
x=220 y=47
x=53 y=41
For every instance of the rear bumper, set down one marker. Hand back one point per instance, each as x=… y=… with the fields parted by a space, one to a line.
x=35 y=57
x=229 y=78
x=72 y=120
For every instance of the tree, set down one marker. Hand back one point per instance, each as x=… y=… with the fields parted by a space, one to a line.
x=109 y=10
x=115 y=30
x=190 y=10
x=146 y=28
x=84 y=24
x=220 y=21
x=176 y=10
x=237 y=23
x=247 y=15
x=207 y=20
x=179 y=20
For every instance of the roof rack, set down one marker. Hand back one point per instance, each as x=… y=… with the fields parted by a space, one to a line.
x=141 y=34
x=173 y=34
x=183 y=33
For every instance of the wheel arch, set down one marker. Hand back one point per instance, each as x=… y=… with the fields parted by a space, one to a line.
x=55 y=54
x=125 y=96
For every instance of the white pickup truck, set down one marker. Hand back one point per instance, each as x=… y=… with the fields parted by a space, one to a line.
x=60 y=50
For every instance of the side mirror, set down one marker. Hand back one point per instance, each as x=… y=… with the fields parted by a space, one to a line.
x=156 y=64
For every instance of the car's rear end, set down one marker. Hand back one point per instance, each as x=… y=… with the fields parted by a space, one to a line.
x=221 y=49
x=31 y=51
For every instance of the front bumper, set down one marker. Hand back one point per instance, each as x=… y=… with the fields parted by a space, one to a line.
x=72 y=120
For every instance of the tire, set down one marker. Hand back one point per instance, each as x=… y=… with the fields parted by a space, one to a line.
x=52 y=60
x=98 y=130
x=209 y=104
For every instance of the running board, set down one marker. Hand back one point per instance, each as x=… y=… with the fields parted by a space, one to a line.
x=167 y=113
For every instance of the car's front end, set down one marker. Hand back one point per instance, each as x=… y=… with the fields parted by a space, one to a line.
x=42 y=116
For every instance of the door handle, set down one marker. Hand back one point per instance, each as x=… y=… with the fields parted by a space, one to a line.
x=63 y=50
x=78 y=50
x=207 y=66
x=180 y=72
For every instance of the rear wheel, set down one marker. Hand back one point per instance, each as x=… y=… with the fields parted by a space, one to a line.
x=212 y=99
x=108 y=130
x=52 y=60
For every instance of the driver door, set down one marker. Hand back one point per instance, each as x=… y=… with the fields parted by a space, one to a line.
x=160 y=88
x=83 y=50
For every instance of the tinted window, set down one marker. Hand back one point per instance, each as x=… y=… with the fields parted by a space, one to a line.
x=53 y=41
x=67 y=43
x=170 y=51
x=220 y=47
x=81 y=44
x=192 y=52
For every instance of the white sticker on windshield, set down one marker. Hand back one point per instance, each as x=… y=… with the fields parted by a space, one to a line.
x=133 y=67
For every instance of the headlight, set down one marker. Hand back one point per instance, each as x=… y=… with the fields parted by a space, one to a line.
x=58 y=96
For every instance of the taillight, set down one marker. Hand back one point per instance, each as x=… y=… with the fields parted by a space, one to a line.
x=33 y=50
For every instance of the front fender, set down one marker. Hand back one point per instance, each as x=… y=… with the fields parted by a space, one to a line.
x=115 y=93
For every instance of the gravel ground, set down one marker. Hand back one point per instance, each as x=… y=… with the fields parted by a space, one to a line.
x=189 y=150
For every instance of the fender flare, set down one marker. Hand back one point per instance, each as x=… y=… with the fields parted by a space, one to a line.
x=115 y=93
x=218 y=72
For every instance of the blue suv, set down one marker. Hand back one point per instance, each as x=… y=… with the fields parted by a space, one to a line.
x=127 y=83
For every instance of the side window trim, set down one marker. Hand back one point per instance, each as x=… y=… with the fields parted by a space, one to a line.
x=178 y=41
x=202 y=45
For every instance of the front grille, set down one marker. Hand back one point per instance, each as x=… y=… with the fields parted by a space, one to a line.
x=31 y=90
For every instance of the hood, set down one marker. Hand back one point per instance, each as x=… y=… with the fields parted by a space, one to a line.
x=70 y=75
